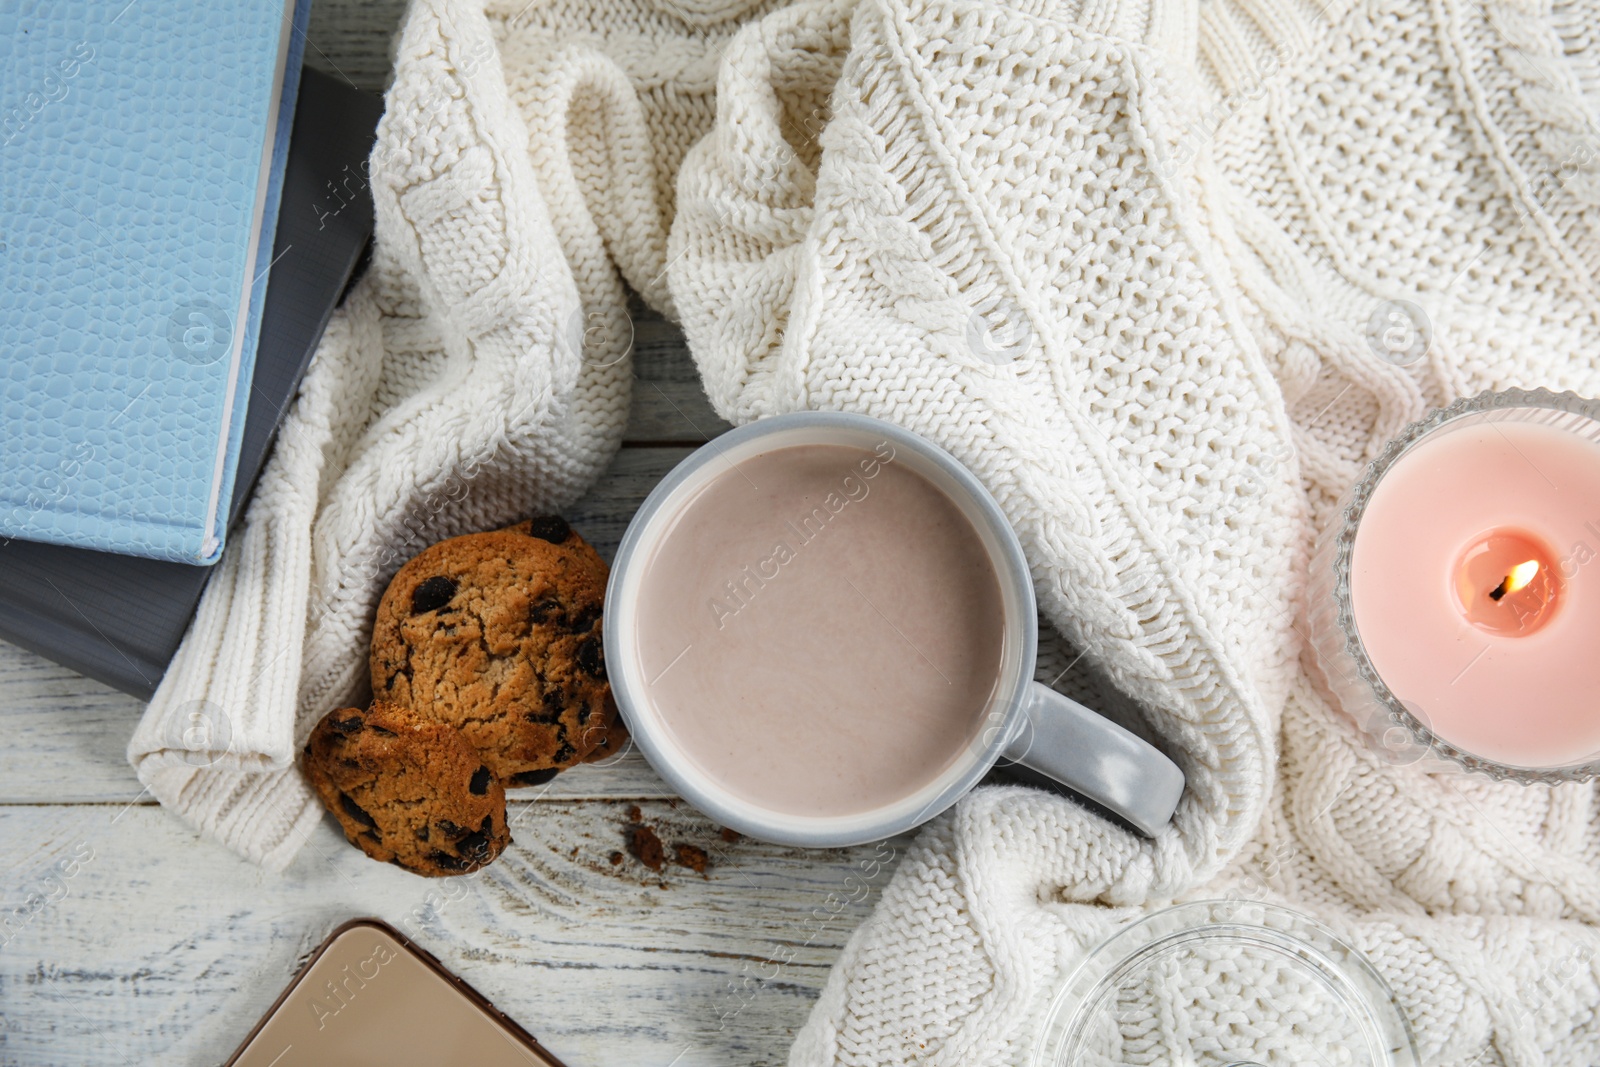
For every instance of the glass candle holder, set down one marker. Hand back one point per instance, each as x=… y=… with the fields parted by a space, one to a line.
x=1453 y=609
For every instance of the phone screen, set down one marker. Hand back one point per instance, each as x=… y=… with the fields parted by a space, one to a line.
x=368 y=997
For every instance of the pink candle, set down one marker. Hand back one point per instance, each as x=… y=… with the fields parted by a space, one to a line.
x=1472 y=590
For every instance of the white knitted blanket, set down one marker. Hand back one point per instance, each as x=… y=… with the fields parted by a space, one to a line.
x=1136 y=262
x=1132 y=262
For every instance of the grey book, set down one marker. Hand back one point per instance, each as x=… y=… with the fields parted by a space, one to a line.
x=120 y=618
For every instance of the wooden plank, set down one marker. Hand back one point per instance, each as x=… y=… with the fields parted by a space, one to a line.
x=129 y=941
x=669 y=403
x=65 y=735
x=603 y=515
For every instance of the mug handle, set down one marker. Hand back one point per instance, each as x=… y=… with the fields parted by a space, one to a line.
x=1089 y=754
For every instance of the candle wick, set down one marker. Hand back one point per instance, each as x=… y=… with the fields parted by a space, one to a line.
x=1520 y=575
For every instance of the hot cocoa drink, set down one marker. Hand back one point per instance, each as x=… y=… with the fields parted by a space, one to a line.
x=820 y=629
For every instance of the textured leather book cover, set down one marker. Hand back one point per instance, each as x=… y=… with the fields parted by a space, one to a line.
x=120 y=618
x=141 y=153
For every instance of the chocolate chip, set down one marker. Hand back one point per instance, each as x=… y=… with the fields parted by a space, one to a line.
x=382 y=731
x=480 y=782
x=591 y=657
x=345 y=727
x=565 y=753
x=539 y=777
x=356 y=812
x=554 y=705
x=422 y=832
x=454 y=830
x=544 y=610
x=474 y=845
x=372 y=835
x=432 y=594
x=446 y=861
x=584 y=621
x=552 y=528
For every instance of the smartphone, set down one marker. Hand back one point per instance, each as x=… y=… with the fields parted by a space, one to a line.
x=367 y=996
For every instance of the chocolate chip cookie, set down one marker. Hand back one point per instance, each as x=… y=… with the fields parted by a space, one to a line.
x=499 y=635
x=407 y=790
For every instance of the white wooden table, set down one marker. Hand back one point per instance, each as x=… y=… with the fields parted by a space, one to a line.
x=127 y=939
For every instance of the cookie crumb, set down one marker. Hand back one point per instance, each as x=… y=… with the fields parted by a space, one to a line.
x=730 y=836
x=692 y=857
x=616 y=858
x=645 y=846
x=634 y=814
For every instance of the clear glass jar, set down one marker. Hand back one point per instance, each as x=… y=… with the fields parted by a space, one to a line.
x=1225 y=983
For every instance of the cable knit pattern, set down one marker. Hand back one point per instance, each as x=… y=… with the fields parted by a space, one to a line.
x=1123 y=259
x=634 y=82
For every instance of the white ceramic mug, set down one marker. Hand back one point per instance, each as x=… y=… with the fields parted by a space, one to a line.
x=1024 y=722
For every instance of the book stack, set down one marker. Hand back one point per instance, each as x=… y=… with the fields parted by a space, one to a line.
x=184 y=210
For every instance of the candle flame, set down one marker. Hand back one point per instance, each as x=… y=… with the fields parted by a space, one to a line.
x=1520 y=576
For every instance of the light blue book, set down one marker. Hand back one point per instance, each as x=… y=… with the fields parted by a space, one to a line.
x=142 y=146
